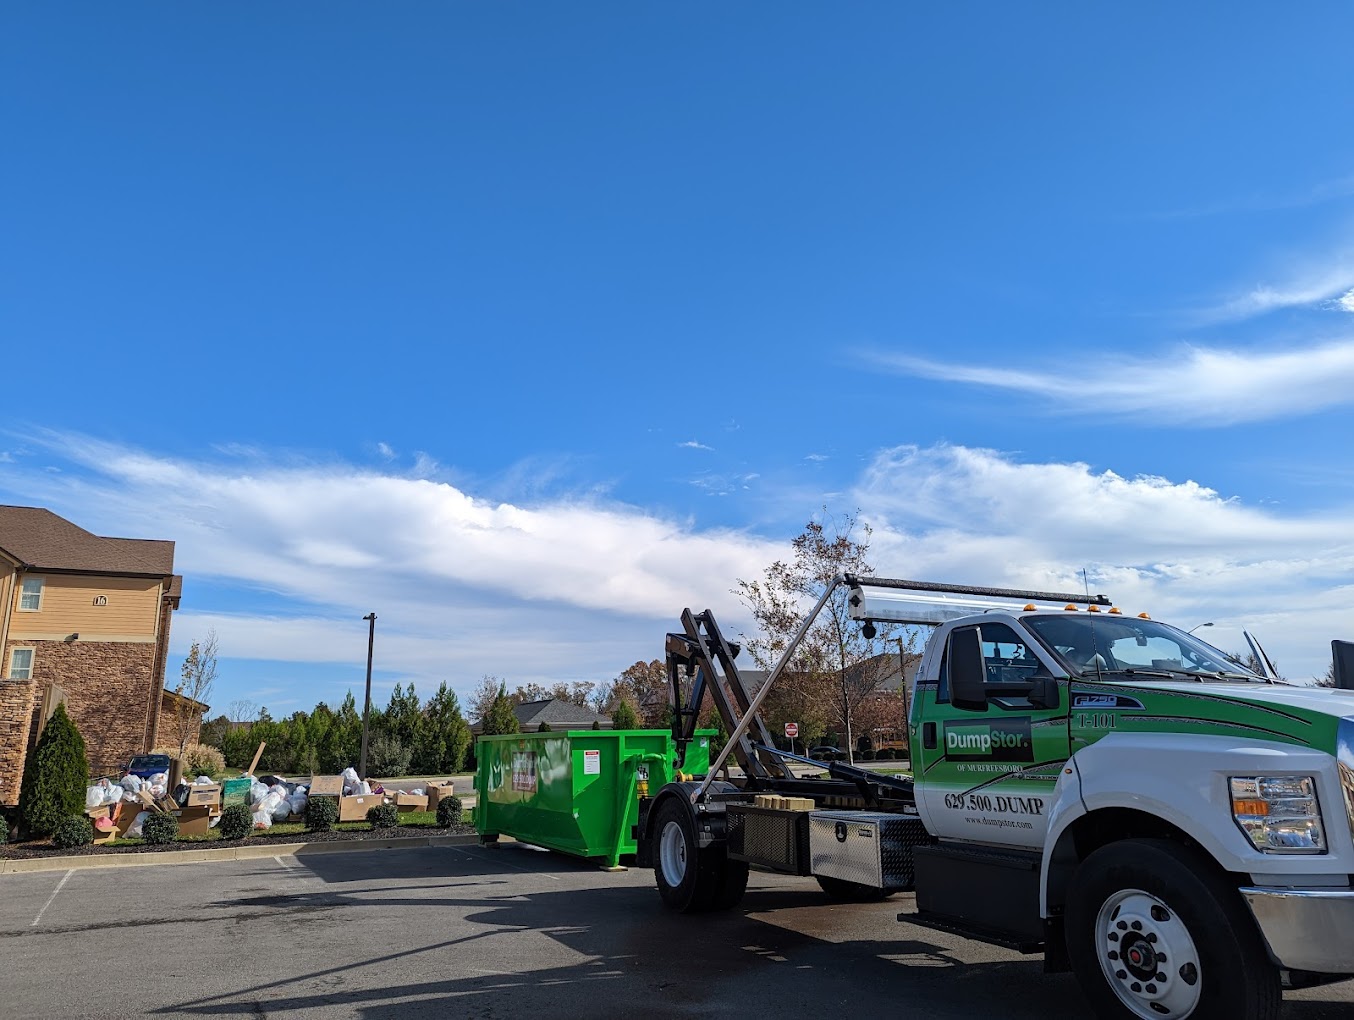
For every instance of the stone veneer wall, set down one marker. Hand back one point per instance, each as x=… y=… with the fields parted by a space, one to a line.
x=16 y=712
x=108 y=688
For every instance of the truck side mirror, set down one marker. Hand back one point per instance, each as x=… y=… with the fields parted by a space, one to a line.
x=968 y=671
x=1342 y=655
x=1044 y=692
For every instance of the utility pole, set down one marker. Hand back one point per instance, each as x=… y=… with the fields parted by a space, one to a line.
x=366 y=708
x=907 y=713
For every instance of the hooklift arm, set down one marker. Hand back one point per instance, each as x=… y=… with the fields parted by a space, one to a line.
x=691 y=649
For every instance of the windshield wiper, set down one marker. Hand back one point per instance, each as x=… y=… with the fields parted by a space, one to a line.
x=1163 y=674
x=1224 y=675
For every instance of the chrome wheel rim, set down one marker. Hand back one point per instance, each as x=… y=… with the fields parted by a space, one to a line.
x=672 y=854
x=1148 y=956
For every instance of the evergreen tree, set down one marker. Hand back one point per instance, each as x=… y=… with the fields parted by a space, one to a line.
x=624 y=717
x=447 y=729
x=55 y=776
x=500 y=718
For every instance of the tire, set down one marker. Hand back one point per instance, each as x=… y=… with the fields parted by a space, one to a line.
x=1171 y=908
x=851 y=892
x=691 y=880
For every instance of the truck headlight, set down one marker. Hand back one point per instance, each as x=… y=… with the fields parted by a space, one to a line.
x=1279 y=814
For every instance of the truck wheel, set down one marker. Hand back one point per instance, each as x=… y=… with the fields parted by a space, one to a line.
x=684 y=880
x=850 y=892
x=1154 y=931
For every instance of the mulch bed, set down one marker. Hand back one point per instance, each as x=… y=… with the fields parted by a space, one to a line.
x=42 y=848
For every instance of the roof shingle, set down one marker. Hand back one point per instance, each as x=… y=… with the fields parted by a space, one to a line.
x=40 y=540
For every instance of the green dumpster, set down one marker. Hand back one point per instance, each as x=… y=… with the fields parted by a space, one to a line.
x=576 y=791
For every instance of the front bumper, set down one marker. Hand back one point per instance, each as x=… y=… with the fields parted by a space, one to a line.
x=1307 y=929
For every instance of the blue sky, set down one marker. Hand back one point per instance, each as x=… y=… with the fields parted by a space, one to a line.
x=526 y=326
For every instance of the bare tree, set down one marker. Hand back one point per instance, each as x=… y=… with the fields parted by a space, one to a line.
x=196 y=680
x=482 y=698
x=835 y=667
x=242 y=711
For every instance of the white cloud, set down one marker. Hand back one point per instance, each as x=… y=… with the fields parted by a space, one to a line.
x=691 y=444
x=1308 y=285
x=1186 y=386
x=816 y=457
x=1346 y=301
x=463 y=586
x=385 y=450
x=1177 y=549
x=579 y=589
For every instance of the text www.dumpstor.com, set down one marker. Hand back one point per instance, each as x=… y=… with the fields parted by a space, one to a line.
x=1004 y=823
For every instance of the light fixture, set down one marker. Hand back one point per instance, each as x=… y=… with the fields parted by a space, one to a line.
x=71 y=637
x=1197 y=626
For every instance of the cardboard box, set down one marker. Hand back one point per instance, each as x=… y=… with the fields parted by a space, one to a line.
x=439 y=791
x=235 y=791
x=102 y=811
x=325 y=786
x=407 y=802
x=354 y=809
x=194 y=821
x=204 y=795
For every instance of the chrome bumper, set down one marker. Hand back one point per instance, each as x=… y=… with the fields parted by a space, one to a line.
x=1307 y=929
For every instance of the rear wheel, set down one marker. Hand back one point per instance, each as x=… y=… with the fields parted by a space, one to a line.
x=850 y=892
x=1154 y=931
x=691 y=879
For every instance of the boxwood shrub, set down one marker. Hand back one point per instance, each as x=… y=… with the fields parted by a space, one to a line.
x=237 y=822
x=159 y=829
x=321 y=813
x=73 y=831
x=383 y=816
x=448 y=811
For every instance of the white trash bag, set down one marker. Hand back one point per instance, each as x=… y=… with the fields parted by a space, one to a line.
x=350 y=781
x=93 y=796
x=130 y=783
x=134 y=830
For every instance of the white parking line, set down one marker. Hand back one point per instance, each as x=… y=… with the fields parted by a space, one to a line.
x=63 y=881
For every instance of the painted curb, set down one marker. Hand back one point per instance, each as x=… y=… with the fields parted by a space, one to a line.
x=234 y=853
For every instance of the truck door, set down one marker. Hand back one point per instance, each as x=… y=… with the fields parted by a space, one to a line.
x=987 y=774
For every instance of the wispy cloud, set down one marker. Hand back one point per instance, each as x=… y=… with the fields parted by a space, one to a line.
x=1190 y=385
x=385 y=450
x=1310 y=287
x=816 y=457
x=691 y=444
x=983 y=517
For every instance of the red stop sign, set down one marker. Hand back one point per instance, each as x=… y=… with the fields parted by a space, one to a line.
x=792 y=729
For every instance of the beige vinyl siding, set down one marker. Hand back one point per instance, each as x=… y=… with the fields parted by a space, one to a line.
x=68 y=607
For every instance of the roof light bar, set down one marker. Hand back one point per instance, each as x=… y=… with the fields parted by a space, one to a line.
x=920 y=602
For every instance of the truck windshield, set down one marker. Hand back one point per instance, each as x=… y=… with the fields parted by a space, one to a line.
x=1091 y=645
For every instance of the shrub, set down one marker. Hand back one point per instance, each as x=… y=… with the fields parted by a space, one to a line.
x=448 y=811
x=383 y=816
x=198 y=760
x=387 y=757
x=4 y=831
x=866 y=756
x=885 y=755
x=159 y=828
x=73 y=831
x=55 y=777
x=321 y=813
x=237 y=822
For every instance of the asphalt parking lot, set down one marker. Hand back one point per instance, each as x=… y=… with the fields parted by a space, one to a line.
x=490 y=933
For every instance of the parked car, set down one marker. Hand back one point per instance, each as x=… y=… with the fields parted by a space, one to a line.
x=147 y=765
x=826 y=753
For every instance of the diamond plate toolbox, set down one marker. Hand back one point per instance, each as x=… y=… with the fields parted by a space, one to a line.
x=871 y=848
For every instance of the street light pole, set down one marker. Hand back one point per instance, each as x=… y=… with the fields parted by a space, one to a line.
x=1197 y=626
x=366 y=708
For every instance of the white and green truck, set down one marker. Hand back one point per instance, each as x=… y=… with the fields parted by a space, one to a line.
x=1102 y=788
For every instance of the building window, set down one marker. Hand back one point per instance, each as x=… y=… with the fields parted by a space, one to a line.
x=21 y=664
x=30 y=598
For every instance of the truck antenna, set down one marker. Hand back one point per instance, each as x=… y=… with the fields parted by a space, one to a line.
x=1095 y=641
